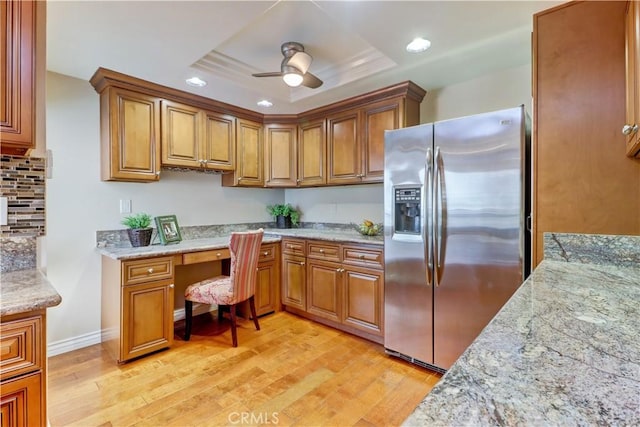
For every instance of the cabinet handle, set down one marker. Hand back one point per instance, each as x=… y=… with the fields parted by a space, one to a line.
x=321 y=251
x=629 y=129
x=205 y=162
x=218 y=254
x=157 y=173
x=150 y=271
x=338 y=270
x=302 y=263
x=172 y=286
x=298 y=180
x=265 y=253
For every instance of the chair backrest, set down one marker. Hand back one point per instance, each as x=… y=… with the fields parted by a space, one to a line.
x=245 y=253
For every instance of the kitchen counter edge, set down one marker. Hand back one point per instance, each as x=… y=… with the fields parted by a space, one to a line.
x=26 y=290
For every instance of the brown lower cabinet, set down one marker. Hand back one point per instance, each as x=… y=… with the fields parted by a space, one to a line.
x=340 y=285
x=23 y=370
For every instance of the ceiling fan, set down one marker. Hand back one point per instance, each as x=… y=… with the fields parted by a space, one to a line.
x=294 y=67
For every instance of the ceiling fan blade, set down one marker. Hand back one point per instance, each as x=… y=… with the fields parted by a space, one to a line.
x=272 y=74
x=300 y=60
x=311 y=81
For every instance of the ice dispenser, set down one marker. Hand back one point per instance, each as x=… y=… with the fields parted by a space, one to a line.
x=407 y=210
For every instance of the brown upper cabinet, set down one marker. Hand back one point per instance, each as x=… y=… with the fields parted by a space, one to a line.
x=280 y=155
x=130 y=131
x=340 y=143
x=196 y=138
x=249 y=170
x=18 y=71
x=631 y=128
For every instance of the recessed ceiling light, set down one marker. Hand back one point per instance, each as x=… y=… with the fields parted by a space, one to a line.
x=196 y=81
x=265 y=103
x=418 y=45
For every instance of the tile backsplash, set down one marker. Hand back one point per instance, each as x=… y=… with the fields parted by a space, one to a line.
x=23 y=184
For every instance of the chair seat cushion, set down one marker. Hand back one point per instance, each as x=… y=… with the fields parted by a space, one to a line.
x=217 y=290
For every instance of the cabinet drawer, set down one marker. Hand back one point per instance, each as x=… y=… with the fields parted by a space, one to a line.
x=147 y=270
x=295 y=247
x=21 y=346
x=369 y=257
x=267 y=253
x=204 y=256
x=325 y=251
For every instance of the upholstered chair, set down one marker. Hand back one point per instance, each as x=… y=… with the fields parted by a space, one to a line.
x=229 y=291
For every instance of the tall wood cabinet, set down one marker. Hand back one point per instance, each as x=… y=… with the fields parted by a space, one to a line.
x=582 y=180
x=312 y=153
x=249 y=171
x=631 y=128
x=18 y=76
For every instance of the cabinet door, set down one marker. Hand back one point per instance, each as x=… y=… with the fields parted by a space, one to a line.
x=324 y=285
x=632 y=27
x=266 y=289
x=180 y=135
x=219 y=141
x=280 y=159
x=17 y=92
x=312 y=151
x=147 y=318
x=377 y=118
x=294 y=291
x=130 y=135
x=21 y=400
x=249 y=156
x=363 y=299
x=343 y=148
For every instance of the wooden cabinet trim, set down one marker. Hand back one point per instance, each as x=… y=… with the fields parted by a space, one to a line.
x=21 y=346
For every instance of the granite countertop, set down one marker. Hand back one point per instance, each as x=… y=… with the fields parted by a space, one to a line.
x=564 y=350
x=209 y=243
x=26 y=290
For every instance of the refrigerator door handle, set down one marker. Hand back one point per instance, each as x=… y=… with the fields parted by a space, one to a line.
x=440 y=216
x=427 y=232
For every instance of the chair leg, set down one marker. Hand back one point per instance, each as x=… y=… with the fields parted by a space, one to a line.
x=252 y=305
x=234 y=333
x=220 y=307
x=188 y=313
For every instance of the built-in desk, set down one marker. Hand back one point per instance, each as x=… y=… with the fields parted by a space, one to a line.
x=139 y=286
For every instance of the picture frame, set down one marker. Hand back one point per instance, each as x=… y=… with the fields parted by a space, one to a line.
x=168 y=229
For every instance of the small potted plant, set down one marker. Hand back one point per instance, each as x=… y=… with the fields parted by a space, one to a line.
x=285 y=215
x=139 y=229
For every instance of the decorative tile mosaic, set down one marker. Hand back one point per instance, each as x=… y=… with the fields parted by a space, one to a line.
x=23 y=184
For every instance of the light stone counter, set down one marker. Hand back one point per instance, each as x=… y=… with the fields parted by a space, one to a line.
x=210 y=243
x=24 y=291
x=564 y=350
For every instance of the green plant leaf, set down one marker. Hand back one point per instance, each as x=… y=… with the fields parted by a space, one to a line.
x=139 y=220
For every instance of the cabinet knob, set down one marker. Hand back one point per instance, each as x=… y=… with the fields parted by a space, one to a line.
x=157 y=173
x=338 y=270
x=321 y=251
x=218 y=254
x=298 y=180
x=205 y=161
x=150 y=271
x=629 y=129
x=172 y=286
x=302 y=263
x=265 y=253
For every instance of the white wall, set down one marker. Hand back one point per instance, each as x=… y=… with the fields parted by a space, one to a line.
x=79 y=204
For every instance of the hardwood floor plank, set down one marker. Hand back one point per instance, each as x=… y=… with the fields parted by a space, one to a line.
x=291 y=372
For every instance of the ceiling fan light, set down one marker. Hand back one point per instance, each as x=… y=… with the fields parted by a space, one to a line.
x=292 y=79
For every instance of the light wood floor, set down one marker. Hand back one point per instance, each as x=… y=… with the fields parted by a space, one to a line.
x=291 y=372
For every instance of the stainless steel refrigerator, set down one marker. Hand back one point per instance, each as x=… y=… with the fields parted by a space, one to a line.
x=456 y=203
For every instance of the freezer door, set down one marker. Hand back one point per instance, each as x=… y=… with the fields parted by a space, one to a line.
x=408 y=279
x=478 y=219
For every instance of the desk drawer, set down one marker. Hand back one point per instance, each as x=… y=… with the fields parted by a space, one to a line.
x=267 y=253
x=366 y=257
x=204 y=256
x=147 y=270
x=324 y=251
x=294 y=247
x=21 y=346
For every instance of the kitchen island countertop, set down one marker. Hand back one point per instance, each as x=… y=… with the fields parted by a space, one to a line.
x=564 y=350
x=26 y=290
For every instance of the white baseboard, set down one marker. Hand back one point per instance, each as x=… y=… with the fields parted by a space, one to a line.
x=74 y=343
x=81 y=341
